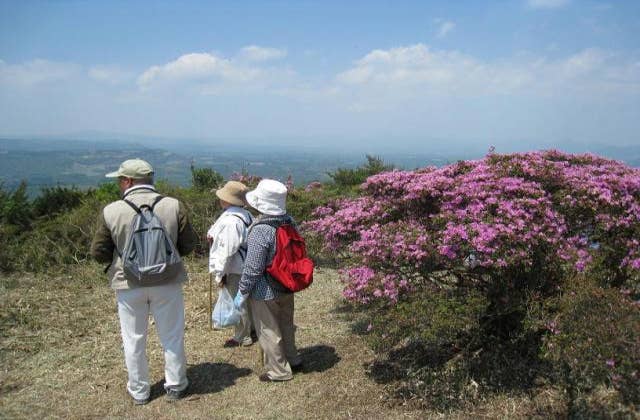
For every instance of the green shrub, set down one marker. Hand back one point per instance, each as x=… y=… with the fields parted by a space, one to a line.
x=15 y=208
x=433 y=317
x=204 y=179
x=344 y=177
x=440 y=349
x=594 y=344
x=106 y=193
x=61 y=240
x=202 y=206
x=55 y=200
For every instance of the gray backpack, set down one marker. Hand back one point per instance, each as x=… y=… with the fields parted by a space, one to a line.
x=149 y=258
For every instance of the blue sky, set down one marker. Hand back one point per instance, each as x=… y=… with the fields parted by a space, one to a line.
x=525 y=73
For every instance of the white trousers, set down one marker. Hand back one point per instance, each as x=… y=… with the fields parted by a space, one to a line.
x=166 y=304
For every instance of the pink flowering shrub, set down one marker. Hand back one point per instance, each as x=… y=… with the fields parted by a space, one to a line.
x=460 y=269
x=508 y=222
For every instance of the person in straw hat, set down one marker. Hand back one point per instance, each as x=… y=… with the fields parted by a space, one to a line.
x=228 y=238
x=271 y=304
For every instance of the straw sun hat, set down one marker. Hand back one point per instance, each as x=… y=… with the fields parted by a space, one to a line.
x=233 y=192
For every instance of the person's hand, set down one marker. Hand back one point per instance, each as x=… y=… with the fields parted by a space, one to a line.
x=219 y=281
x=239 y=301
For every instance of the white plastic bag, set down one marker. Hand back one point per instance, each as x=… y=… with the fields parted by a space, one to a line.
x=224 y=313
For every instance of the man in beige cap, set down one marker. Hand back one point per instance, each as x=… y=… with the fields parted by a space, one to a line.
x=228 y=238
x=164 y=302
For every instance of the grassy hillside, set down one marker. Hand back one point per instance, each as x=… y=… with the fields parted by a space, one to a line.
x=461 y=341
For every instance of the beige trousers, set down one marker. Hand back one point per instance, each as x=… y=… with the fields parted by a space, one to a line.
x=273 y=320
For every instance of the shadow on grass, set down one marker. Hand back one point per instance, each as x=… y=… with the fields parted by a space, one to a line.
x=500 y=365
x=318 y=358
x=206 y=378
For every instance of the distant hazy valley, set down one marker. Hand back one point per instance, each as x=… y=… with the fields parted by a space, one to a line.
x=83 y=163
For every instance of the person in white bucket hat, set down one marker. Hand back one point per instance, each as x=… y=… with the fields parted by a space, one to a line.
x=271 y=304
x=269 y=197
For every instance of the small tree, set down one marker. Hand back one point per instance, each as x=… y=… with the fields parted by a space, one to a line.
x=55 y=200
x=344 y=177
x=205 y=178
x=16 y=208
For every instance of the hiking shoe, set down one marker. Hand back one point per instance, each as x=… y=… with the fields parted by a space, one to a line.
x=140 y=401
x=175 y=395
x=232 y=342
x=265 y=378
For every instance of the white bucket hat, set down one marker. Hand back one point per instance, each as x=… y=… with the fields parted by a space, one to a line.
x=269 y=197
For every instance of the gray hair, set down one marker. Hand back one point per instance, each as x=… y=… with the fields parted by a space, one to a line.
x=148 y=180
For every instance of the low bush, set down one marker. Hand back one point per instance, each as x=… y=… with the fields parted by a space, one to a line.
x=56 y=200
x=443 y=351
x=57 y=241
x=594 y=345
x=349 y=177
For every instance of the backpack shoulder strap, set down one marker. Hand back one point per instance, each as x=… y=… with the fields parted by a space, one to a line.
x=133 y=206
x=139 y=209
x=241 y=219
x=273 y=223
x=156 y=201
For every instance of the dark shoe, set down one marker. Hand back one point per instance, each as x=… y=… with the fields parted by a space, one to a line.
x=175 y=395
x=297 y=368
x=232 y=342
x=265 y=378
x=140 y=401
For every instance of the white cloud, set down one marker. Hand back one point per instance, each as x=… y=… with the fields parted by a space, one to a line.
x=547 y=4
x=256 y=53
x=109 y=75
x=410 y=65
x=417 y=71
x=197 y=66
x=444 y=28
x=36 y=72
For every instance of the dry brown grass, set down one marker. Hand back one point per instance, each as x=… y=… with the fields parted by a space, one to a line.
x=61 y=357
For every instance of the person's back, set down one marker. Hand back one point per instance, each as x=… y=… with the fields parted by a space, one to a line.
x=165 y=302
x=118 y=216
x=272 y=305
x=228 y=236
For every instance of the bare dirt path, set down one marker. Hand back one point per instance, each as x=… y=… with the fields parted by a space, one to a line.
x=61 y=358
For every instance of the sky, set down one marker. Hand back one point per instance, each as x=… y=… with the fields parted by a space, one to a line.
x=524 y=73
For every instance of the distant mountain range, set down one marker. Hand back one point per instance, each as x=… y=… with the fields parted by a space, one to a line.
x=82 y=160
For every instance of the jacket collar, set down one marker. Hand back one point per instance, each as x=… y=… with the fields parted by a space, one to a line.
x=240 y=212
x=139 y=187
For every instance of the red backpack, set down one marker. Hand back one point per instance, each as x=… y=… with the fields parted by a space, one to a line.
x=290 y=266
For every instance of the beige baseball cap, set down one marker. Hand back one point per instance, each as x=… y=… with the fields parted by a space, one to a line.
x=132 y=168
